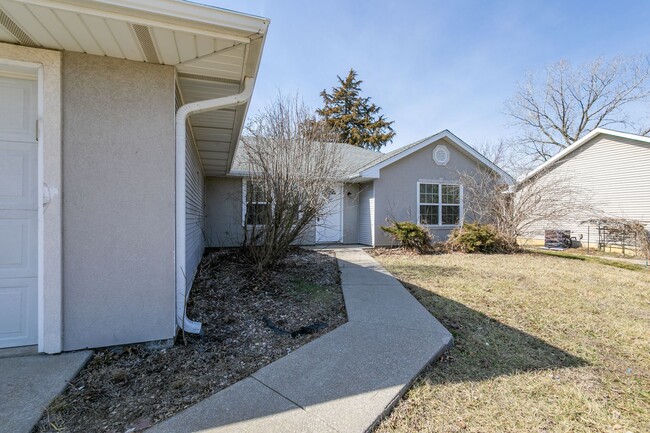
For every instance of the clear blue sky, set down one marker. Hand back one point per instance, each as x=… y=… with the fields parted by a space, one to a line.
x=434 y=65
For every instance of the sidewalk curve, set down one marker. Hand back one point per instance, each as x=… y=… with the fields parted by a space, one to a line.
x=344 y=381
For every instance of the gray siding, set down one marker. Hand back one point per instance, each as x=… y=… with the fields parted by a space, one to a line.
x=351 y=213
x=118 y=201
x=396 y=189
x=366 y=213
x=613 y=175
x=194 y=205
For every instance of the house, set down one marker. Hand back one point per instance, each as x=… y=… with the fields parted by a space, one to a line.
x=419 y=182
x=609 y=171
x=112 y=115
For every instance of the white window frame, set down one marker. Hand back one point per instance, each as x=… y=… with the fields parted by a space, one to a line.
x=440 y=204
x=245 y=203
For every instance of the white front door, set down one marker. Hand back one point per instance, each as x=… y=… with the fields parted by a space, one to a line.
x=328 y=226
x=18 y=212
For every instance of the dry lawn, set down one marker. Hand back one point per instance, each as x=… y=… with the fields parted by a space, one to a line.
x=542 y=344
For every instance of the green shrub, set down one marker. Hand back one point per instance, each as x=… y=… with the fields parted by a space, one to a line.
x=412 y=236
x=478 y=238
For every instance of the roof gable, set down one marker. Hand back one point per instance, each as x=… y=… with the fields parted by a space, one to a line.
x=372 y=170
x=578 y=144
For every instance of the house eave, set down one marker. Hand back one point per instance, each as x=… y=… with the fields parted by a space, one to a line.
x=578 y=144
x=373 y=172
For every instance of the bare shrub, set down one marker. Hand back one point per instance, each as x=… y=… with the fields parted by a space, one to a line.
x=519 y=210
x=293 y=166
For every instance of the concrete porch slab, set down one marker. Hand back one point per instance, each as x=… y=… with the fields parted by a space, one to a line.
x=33 y=382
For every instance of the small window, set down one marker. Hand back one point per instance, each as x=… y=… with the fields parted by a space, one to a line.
x=439 y=204
x=441 y=154
x=258 y=205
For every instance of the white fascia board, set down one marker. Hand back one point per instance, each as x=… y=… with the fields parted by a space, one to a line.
x=170 y=14
x=238 y=173
x=575 y=146
x=373 y=172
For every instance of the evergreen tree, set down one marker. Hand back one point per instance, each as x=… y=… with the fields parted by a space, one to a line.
x=355 y=118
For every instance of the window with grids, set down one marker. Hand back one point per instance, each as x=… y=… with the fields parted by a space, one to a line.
x=258 y=205
x=439 y=204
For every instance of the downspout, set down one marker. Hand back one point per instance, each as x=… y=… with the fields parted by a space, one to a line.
x=181 y=136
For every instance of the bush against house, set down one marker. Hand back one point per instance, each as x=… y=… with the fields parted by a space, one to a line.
x=478 y=238
x=410 y=235
x=291 y=173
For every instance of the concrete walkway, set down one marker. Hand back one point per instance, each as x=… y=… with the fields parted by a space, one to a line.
x=343 y=381
x=29 y=383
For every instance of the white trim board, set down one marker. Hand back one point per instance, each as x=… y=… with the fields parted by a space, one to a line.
x=440 y=204
x=46 y=65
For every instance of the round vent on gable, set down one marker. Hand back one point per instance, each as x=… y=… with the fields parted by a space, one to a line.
x=441 y=154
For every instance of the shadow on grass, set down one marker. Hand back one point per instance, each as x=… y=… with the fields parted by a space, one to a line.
x=593 y=259
x=484 y=347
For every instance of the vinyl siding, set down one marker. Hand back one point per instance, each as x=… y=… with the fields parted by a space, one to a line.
x=194 y=205
x=613 y=175
x=367 y=214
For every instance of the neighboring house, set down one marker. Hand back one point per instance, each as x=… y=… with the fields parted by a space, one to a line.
x=101 y=176
x=419 y=182
x=610 y=172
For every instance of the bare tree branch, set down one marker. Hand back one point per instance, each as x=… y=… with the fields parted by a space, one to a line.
x=520 y=210
x=571 y=102
x=293 y=165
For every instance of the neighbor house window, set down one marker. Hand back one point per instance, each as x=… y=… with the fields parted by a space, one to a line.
x=438 y=204
x=257 y=204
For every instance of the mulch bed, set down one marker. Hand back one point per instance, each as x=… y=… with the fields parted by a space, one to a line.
x=249 y=321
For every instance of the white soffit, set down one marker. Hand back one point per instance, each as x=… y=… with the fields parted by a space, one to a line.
x=212 y=50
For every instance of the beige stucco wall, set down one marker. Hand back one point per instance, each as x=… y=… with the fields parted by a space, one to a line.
x=223 y=224
x=396 y=189
x=118 y=202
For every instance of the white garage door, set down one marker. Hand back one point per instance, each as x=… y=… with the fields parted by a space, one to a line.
x=18 y=212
